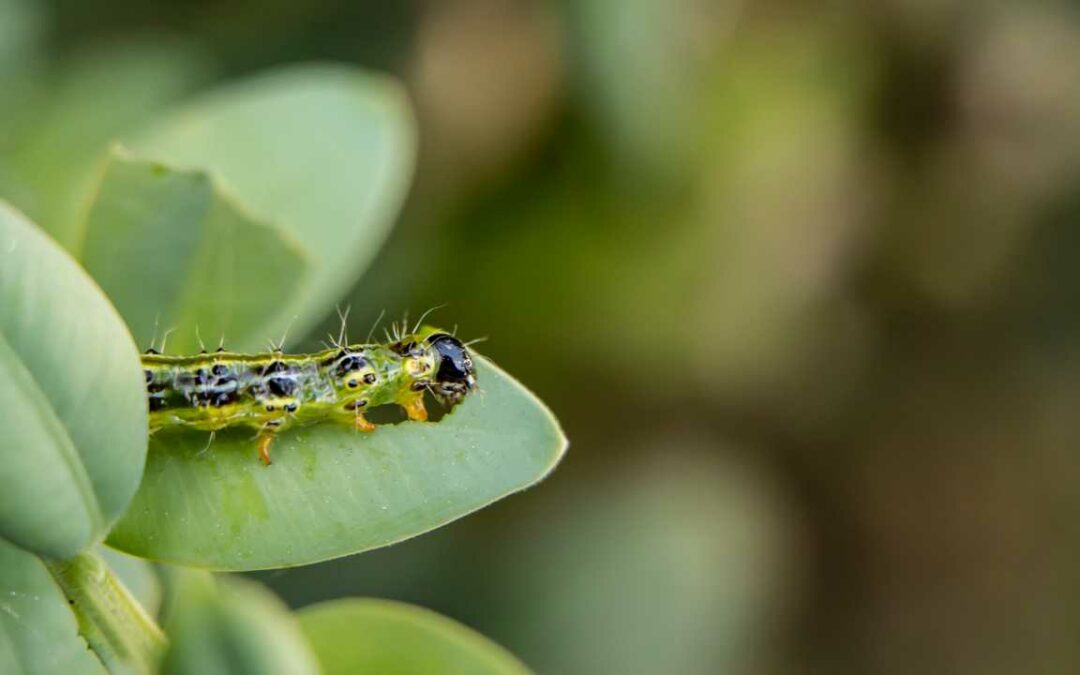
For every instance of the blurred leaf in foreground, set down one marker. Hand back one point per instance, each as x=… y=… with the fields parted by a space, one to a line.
x=72 y=403
x=391 y=638
x=38 y=632
x=230 y=626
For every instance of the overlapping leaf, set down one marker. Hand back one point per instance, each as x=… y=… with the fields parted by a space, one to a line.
x=324 y=151
x=176 y=256
x=392 y=638
x=233 y=627
x=38 y=632
x=72 y=402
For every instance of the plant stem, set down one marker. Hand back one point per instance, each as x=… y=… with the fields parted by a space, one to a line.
x=114 y=624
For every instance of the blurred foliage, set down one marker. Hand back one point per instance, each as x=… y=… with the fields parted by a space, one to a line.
x=671 y=564
x=377 y=636
x=832 y=242
x=149 y=227
x=65 y=121
x=231 y=627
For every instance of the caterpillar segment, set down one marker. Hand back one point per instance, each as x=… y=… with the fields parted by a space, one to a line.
x=274 y=391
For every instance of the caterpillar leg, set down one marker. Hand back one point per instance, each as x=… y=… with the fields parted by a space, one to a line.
x=415 y=409
x=209 y=442
x=362 y=424
x=265 y=438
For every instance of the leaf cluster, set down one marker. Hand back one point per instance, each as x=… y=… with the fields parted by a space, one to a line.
x=237 y=215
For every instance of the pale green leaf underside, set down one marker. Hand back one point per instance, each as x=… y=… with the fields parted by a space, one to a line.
x=38 y=632
x=71 y=398
x=324 y=151
x=392 y=638
x=333 y=491
x=230 y=626
x=176 y=256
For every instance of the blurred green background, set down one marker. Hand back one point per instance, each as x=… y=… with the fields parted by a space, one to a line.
x=800 y=279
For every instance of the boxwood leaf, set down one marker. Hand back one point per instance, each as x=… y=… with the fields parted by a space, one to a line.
x=324 y=151
x=392 y=638
x=38 y=632
x=230 y=626
x=332 y=491
x=177 y=256
x=72 y=402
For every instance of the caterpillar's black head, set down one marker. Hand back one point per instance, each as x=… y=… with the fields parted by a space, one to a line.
x=455 y=375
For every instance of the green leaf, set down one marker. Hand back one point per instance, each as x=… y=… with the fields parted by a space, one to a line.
x=332 y=491
x=392 y=638
x=38 y=632
x=231 y=626
x=22 y=25
x=174 y=254
x=324 y=151
x=102 y=93
x=72 y=399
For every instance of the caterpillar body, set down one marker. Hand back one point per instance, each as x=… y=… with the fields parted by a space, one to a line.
x=273 y=391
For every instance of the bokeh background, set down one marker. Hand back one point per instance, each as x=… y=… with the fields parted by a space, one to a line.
x=800 y=279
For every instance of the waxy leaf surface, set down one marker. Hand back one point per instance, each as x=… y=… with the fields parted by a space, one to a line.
x=72 y=399
x=178 y=257
x=333 y=491
x=324 y=151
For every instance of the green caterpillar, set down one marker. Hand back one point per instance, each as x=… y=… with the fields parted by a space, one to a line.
x=273 y=391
